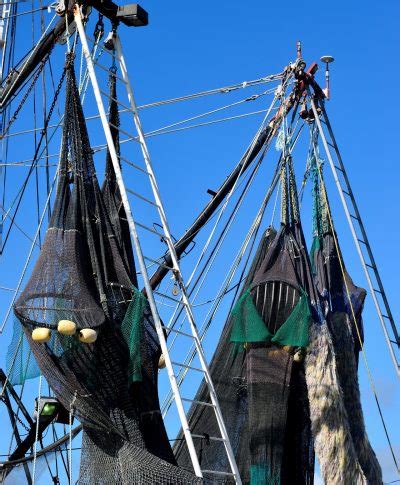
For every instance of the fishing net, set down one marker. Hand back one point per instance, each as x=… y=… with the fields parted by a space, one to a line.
x=260 y=386
x=20 y=362
x=81 y=275
x=110 y=190
x=228 y=371
x=342 y=302
x=50 y=461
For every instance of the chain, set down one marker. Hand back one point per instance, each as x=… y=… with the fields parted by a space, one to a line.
x=25 y=97
x=99 y=28
x=56 y=94
x=26 y=428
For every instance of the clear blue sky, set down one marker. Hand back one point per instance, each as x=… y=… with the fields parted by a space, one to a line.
x=191 y=47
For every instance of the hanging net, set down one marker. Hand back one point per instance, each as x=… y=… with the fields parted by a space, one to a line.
x=342 y=303
x=261 y=390
x=84 y=275
x=110 y=191
x=228 y=371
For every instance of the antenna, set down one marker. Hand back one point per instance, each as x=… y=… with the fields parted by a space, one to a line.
x=298 y=44
x=327 y=60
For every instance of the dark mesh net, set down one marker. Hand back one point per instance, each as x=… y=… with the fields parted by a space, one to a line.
x=82 y=276
x=228 y=371
x=278 y=405
x=111 y=194
x=262 y=389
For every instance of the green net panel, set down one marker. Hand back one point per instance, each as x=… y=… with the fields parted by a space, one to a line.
x=131 y=331
x=249 y=327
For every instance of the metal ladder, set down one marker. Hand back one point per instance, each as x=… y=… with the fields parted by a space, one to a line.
x=141 y=258
x=359 y=233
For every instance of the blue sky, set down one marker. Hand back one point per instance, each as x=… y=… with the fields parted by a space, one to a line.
x=193 y=47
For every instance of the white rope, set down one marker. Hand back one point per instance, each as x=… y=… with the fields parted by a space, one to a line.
x=275 y=205
x=70 y=446
x=67 y=34
x=37 y=431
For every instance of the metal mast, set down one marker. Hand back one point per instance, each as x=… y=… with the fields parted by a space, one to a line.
x=166 y=235
x=357 y=229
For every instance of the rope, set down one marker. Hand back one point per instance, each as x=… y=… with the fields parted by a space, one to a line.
x=369 y=373
x=70 y=445
x=37 y=431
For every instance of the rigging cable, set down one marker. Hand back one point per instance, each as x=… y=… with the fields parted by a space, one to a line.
x=24 y=185
x=223 y=289
x=222 y=236
x=27 y=260
x=227 y=200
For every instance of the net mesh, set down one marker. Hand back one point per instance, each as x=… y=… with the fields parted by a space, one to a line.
x=82 y=275
x=342 y=303
x=20 y=362
x=228 y=371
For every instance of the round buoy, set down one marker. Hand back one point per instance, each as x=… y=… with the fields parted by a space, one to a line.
x=87 y=335
x=298 y=356
x=66 y=327
x=161 y=362
x=41 y=335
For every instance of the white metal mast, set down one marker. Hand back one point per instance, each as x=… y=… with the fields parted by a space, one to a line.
x=141 y=258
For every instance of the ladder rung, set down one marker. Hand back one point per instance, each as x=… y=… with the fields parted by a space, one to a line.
x=134 y=165
x=147 y=228
x=93 y=41
x=346 y=193
x=158 y=263
x=385 y=316
x=188 y=367
x=378 y=291
x=338 y=168
x=106 y=69
x=104 y=93
x=370 y=266
x=202 y=403
x=212 y=438
x=354 y=217
x=179 y=332
x=169 y=298
x=362 y=241
x=215 y=472
x=116 y=127
x=330 y=144
x=145 y=199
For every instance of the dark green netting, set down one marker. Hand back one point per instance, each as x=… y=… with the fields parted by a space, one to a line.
x=261 y=475
x=131 y=331
x=249 y=327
